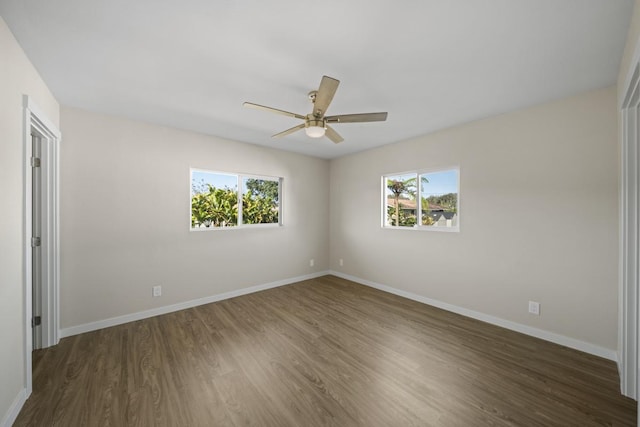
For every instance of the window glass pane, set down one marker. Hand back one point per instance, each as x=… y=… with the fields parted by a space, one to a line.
x=214 y=200
x=400 y=198
x=439 y=198
x=260 y=201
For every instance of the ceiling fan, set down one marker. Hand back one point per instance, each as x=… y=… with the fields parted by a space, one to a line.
x=316 y=124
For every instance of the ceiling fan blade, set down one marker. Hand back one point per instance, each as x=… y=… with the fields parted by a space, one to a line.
x=289 y=131
x=354 y=118
x=273 y=110
x=333 y=135
x=324 y=95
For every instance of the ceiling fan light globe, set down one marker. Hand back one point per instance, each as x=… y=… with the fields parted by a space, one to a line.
x=315 y=131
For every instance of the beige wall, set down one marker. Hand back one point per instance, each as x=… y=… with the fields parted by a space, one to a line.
x=17 y=78
x=539 y=218
x=125 y=218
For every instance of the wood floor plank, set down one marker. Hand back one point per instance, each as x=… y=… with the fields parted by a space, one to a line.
x=322 y=352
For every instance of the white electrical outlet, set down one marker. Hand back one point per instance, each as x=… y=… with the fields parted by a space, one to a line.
x=157 y=291
x=312 y=263
x=534 y=308
x=341 y=262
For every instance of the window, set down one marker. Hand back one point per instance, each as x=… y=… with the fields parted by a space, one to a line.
x=422 y=200
x=223 y=200
x=260 y=200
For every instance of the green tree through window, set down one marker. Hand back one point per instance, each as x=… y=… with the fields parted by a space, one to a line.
x=260 y=201
x=216 y=202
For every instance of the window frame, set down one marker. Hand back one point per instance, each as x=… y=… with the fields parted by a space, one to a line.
x=240 y=194
x=419 y=226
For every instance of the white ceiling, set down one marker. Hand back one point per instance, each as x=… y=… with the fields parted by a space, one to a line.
x=431 y=64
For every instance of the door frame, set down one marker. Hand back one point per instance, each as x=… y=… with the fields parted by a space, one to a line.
x=35 y=120
x=628 y=264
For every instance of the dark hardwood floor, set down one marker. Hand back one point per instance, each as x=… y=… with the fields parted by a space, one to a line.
x=323 y=352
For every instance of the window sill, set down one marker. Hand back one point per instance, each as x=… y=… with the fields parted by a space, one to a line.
x=437 y=229
x=236 y=227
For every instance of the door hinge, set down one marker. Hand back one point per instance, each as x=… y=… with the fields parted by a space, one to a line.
x=36 y=321
x=35 y=162
x=35 y=241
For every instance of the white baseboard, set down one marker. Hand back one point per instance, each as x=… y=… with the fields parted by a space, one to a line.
x=119 y=320
x=507 y=324
x=527 y=330
x=14 y=409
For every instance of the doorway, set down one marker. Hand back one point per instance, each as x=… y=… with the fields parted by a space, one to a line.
x=41 y=226
x=36 y=240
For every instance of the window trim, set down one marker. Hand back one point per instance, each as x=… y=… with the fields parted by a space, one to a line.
x=418 y=226
x=239 y=178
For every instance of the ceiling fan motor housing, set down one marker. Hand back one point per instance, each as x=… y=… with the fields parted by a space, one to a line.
x=313 y=121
